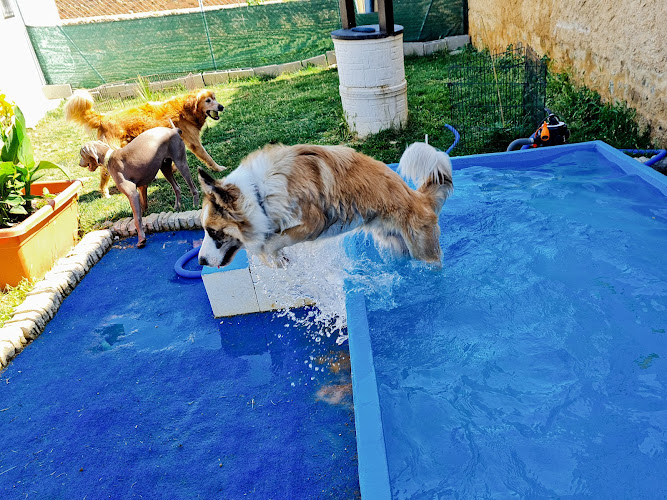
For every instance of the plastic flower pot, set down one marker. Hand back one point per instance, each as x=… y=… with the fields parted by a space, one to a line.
x=29 y=249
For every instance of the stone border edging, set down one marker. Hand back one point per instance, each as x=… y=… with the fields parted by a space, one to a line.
x=29 y=319
x=158 y=222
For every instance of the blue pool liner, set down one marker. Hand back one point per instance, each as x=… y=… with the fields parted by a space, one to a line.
x=134 y=390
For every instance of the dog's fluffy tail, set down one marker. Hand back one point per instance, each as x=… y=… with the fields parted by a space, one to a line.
x=79 y=109
x=430 y=170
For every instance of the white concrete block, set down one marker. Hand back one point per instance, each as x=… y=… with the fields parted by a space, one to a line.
x=316 y=61
x=270 y=297
x=231 y=292
x=413 y=49
x=230 y=289
x=57 y=91
x=270 y=70
x=235 y=289
x=194 y=81
x=215 y=77
x=164 y=84
x=236 y=74
x=291 y=67
x=111 y=91
x=434 y=46
x=457 y=42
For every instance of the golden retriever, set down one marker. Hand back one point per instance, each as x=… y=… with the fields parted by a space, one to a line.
x=188 y=112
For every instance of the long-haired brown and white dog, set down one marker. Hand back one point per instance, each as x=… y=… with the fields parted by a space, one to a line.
x=283 y=195
x=187 y=112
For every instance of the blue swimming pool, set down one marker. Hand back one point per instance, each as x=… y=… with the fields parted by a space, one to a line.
x=530 y=365
x=533 y=364
x=134 y=390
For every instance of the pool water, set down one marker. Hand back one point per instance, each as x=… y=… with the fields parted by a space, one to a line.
x=135 y=390
x=532 y=364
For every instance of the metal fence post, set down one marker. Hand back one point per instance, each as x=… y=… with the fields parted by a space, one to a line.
x=208 y=36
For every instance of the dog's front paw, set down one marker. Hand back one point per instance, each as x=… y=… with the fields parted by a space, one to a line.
x=217 y=168
x=276 y=261
x=281 y=261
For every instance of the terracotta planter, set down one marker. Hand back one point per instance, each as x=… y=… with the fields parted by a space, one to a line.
x=29 y=249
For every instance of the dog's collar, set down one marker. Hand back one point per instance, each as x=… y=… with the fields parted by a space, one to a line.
x=105 y=162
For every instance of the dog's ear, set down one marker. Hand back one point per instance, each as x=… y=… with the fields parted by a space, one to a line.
x=226 y=195
x=207 y=182
x=190 y=104
x=89 y=149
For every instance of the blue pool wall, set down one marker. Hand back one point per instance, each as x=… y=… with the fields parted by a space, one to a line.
x=374 y=475
x=373 y=469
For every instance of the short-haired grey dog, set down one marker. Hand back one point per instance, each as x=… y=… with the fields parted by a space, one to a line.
x=136 y=165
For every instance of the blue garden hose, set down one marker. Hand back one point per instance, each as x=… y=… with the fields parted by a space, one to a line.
x=457 y=137
x=659 y=154
x=184 y=259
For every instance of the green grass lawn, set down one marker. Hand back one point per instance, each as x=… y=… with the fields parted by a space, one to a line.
x=305 y=107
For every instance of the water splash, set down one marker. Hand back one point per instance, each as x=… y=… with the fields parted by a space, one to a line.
x=320 y=273
x=315 y=275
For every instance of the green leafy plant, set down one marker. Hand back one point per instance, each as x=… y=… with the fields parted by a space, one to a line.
x=589 y=118
x=18 y=167
x=144 y=88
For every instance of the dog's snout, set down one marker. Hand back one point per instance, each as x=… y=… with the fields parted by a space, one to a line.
x=220 y=107
x=203 y=261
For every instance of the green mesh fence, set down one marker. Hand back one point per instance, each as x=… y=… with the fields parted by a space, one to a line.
x=93 y=50
x=496 y=98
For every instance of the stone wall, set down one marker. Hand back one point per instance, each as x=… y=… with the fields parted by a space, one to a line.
x=617 y=48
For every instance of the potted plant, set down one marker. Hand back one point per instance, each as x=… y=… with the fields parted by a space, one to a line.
x=38 y=220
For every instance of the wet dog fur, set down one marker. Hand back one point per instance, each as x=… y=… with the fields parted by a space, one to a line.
x=283 y=195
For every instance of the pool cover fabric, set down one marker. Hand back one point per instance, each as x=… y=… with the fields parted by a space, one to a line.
x=135 y=390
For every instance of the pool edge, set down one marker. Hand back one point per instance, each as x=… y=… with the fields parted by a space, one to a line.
x=371 y=451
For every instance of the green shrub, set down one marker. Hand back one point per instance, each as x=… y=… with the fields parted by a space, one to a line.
x=588 y=118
